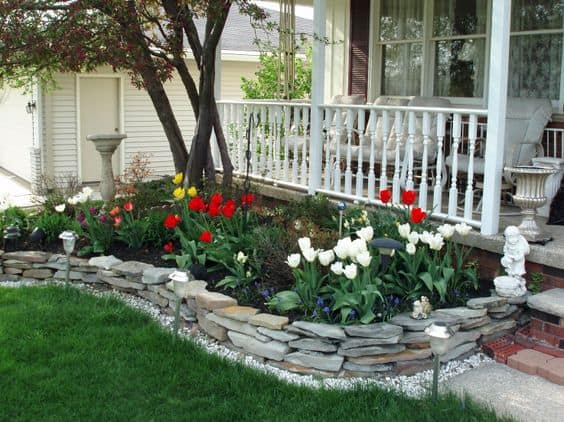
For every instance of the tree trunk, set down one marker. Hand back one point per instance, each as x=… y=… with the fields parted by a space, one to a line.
x=223 y=150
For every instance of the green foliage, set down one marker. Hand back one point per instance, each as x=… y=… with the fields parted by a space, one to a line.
x=150 y=194
x=268 y=85
x=536 y=279
x=99 y=230
x=53 y=224
x=156 y=233
x=14 y=216
x=316 y=208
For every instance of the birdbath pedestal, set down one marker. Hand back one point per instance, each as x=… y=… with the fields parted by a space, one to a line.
x=530 y=195
x=106 y=146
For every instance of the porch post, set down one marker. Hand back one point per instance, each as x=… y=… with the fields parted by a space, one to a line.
x=497 y=104
x=217 y=94
x=317 y=94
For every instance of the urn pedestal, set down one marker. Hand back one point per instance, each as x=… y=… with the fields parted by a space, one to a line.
x=530 y=195
x=106 y=146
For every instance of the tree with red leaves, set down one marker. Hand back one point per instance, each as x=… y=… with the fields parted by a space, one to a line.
x=145 y=38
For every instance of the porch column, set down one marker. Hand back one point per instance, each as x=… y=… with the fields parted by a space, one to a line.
x=497 y=104
x=317 y=94
x=217 y=94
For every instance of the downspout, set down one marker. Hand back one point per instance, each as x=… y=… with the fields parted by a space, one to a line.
x=36 y=150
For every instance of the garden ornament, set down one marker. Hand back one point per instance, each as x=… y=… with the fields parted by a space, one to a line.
x=387 y=248
x=421 y=308
x=69 y=240
x=513 y=261
x=11 y=237
x=341 y=206
x=440 y=333
x=180 y=282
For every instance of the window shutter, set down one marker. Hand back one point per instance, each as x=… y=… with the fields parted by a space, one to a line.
x=358 y=53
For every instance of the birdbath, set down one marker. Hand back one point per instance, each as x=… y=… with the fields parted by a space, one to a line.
x=530 y=195
x=106 y=146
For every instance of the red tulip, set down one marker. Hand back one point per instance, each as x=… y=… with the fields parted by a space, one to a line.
x=417 y=215
x=128 y=206
x=171 y=221
x=117 y=221
x=214 y=210
x=168 y=247
x=408 y=197
x=229 y=208
x=385 y=195
x=206 y=236
x=197 y=204
x=216 y=199
x=248 y=199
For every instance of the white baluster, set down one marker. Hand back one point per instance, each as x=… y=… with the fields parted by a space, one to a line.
x=337 y=143
x=328 y=164
x=396 y=181
x=240 y=149
x=271 y=134
x=469 y=196
x=372 y=136
x=277 y=135
x=426 y=131
x=305 y=113
x=348 y=171
x=438 y=188
x=254 y=141
x=384 y=164
x=295 y=132
x=408 y=158
x=453 y=191
x=359 y=172
x=287 y=114
x=263 y=140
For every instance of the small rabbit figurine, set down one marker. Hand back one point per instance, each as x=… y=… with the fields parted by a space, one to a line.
x=421 y=308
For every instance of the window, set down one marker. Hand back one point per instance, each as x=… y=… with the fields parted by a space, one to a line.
x=439 y=48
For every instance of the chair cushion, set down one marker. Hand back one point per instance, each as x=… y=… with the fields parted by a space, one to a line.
x=463 y=159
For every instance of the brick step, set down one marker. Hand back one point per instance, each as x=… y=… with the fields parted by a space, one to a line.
x=526 y=337
x=500 y=349
x=534 y=362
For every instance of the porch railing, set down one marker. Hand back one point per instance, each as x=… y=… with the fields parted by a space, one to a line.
x=365 y=149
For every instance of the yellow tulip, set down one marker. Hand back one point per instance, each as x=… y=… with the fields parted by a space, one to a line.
x=177 y=179
x=192 y=192
x=179 y=193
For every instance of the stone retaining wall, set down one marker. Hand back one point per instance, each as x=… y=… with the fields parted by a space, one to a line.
x=398 y=346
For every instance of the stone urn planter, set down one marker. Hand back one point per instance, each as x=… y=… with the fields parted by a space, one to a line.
x=106 y=144
x=530 y=195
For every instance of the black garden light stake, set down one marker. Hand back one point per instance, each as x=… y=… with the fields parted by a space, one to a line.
x=341 y=206
x=247 y=182
x=387 y=248
x=11 y=237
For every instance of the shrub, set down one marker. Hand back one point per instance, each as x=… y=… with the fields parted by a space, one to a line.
x=55 y=224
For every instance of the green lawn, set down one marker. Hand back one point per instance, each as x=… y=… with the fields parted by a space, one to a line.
x=66 y=355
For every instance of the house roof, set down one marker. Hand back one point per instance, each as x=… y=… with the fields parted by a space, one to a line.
x=239 y=35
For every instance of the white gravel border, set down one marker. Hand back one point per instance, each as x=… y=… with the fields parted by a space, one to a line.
x=416 y=386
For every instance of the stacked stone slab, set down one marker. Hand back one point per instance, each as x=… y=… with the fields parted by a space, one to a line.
x=397 y=346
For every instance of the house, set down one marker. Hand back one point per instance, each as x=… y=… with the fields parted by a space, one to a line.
x=44 y=132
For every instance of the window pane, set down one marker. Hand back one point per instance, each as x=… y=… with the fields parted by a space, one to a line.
x=459 y=68
x=459 y=17
x=401 y=20
x=528 y=15
x=402 y=69
x=534 y=66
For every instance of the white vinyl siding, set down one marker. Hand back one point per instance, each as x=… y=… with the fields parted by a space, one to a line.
x=231 y=73
x=16 y=136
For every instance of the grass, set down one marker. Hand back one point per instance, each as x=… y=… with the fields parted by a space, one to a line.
x=66 y=355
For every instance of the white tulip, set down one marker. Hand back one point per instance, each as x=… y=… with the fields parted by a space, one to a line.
x=410 y=248
x=337 y=268
x=72 y=200
x=404 y=230
x=413 y=238
x=364 y=258
x=366 y=233
x=304 y=243
x=462 y=229
x=310 y=254
x=294 y=260
x=60 y=208
x=326 y=257
x=446 y=230
x=426 y=237
x=350 y=271
x=241 y=257
x=87 y=191
x=357 y=246
x=343 y=247
x=436 y=243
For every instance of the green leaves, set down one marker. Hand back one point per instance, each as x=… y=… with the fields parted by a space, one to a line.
x=285 y=301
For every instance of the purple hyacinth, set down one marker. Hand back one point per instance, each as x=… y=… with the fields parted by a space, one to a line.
x=92 y=211
x=319 y=301
x=327 y=310
x=265 y=293
x=103 y=218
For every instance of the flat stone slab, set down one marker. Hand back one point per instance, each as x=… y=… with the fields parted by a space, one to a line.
x=133 y=269
x=156 y=275
x=372 y=350
x=462 y=313
x=475 y=322
x=486 y=302
x=194 y=288
x=414 y=337
x=496 y=326
x=13 y=271
x=550 y=302
x=12 y=263
x=462 y=337
x=510 y=310
x=73 y=275
x=274 y=322
x=105 y=262
x=155 y=298
x=378 y=330
x=121 y=282
x=404 y=320
x=238 y=313
x=409 y=354
x=231 y=324
x=27 y=256
x=330 y=362
x=274 y=350
x=279 y=335
x=39 y=273
x=354 y=343
x=299 y=369
x=321 y=330
x=212 y=300
x=316 y=345
x=366 y=368
x=211 y=328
